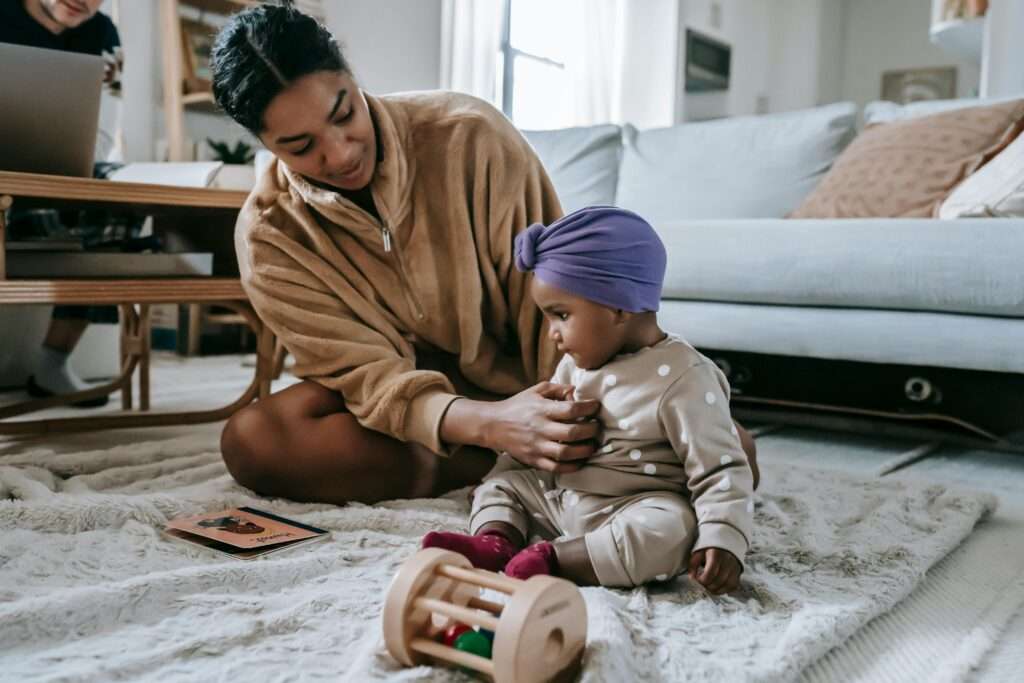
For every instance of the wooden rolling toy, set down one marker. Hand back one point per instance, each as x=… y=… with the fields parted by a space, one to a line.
x=539 y=632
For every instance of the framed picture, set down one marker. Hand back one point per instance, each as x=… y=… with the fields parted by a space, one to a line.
x=914 y=85
x=197 y=44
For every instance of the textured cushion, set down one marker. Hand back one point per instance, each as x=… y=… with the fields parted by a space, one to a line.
x=583 y=163
x=907 y=167
x=969 y=266
x=742 y=167
x=886 y=112
x=899 y=337
x=995 y=189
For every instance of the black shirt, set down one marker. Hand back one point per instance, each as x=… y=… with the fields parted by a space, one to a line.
x=95 y=36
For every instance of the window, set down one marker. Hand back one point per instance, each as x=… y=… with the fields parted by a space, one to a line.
x=534 y=87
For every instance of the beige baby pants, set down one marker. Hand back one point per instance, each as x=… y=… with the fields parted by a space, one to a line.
x=631 y=539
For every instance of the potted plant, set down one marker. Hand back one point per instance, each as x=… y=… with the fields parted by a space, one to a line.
x=237 y=173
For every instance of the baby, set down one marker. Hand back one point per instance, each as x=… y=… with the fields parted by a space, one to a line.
x=670 y=488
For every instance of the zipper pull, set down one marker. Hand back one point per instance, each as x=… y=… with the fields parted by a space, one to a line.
x=386 y=236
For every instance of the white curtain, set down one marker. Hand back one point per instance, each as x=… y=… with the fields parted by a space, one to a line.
x=470 y=45
x=599 y=42
x=594 y=61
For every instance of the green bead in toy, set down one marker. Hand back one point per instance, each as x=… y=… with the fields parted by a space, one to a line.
x=474 y=643
x=489 y=635
x=453 y=632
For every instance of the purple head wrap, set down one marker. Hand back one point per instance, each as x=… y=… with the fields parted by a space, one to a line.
x=601 y=253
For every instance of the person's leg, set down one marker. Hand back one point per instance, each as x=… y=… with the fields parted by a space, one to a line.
x=64 y=333
x=634 y=539
x=497 y=522
x=52 y=373
x=505 y=508
x=301 y=443
x=647 y=539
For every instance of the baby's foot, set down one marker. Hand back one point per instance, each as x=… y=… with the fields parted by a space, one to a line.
x=538 y=558
x=489 y=550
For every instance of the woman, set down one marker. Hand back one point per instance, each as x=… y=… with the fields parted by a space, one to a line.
x=379 y=247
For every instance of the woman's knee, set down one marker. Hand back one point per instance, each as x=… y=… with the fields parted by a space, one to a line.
x=249 y=444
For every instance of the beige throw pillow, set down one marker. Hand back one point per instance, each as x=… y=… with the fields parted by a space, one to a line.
x=995 y=189
x=907 y=168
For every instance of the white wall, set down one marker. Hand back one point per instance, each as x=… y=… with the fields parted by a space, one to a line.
x=831 y=47
x=1002 y=74
x=883 y=35
x=391 y=45
x=786 y=54
x=649 y=63
x=743 y=26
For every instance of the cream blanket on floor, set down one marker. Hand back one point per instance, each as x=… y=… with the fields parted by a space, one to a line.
x=89 y=590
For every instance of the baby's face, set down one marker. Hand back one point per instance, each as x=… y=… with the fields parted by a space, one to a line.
x=589 y=332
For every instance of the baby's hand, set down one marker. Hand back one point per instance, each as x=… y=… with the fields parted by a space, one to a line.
x=716 y=569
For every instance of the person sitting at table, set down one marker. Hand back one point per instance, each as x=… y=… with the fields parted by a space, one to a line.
x=71 y=26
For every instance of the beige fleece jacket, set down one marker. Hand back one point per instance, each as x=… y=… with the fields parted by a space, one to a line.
x=357 y=300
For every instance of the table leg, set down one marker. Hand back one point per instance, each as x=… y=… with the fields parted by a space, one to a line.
x=195 y=329
x=129 y=327
x=145 y=343
x=5 y=203
x=264 y=360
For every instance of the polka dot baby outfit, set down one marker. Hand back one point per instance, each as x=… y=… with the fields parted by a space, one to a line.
x=670 y=477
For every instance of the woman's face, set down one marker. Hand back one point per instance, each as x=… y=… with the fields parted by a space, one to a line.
x=320 y=126
x=589 y=332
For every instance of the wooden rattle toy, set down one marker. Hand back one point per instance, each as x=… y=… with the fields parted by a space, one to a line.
x=537 y=634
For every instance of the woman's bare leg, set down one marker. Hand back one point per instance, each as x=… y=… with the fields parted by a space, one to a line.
x=301 y=443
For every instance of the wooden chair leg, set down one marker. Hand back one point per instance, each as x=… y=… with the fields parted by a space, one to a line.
x=195 y=328
x=280 y=353
x=5 y=203
x=145 y=349
x=264 y=360
x=129 y=324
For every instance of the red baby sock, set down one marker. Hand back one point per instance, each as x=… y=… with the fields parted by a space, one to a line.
x=538 y=558
x=489 y=550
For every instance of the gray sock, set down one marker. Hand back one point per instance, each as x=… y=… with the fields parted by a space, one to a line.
x=53 y=372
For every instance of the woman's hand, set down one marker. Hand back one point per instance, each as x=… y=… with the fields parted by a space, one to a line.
x=540 y=427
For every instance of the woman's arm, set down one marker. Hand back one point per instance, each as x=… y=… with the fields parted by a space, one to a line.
x=537 y=426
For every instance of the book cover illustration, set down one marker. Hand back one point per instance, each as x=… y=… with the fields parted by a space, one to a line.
x=243 y=532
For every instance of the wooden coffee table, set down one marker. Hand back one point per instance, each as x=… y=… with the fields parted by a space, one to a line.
x=200 y=212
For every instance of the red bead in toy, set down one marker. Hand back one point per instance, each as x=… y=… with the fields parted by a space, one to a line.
x=453 y=632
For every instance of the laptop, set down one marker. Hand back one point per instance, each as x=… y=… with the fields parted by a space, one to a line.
x=49 y=110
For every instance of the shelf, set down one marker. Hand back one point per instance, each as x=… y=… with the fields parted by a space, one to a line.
x=960 y=37
x=201 y=102
x=94 y=191
x=219 y=6
x=312 y=7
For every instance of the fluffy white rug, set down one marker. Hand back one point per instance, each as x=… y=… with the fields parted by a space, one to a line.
x=89 y=590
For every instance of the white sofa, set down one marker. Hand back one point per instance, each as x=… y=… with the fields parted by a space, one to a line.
x=926 y=296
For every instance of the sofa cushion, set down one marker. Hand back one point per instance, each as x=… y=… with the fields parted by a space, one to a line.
x=899 y=337
x=967 y=266
x=583 y=163
x=906 y=168
x=995 y=189
x=742 y=167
